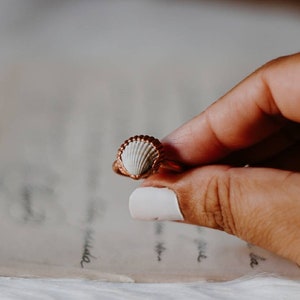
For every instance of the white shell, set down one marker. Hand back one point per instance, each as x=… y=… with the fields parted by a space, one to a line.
x=139 y=156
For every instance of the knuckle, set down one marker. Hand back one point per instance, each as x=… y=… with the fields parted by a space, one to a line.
x=218 y=201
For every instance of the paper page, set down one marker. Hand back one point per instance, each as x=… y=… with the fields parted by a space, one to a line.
x=64 y=213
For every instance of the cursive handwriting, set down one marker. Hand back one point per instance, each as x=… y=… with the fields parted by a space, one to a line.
x=86 y=255
x=159 y=249
x=201 y=246
x=255 y=259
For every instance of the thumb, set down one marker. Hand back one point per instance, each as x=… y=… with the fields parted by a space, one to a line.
x=259 y=205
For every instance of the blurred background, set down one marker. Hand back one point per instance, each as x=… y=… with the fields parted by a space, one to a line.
x=203 y=47
x=77 y=78
x=216 y=43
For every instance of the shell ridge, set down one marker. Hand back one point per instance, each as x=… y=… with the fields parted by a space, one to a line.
x=126 y=157
x=142 y=164
x=140 y=156
x=145 y=162
x=134 y=157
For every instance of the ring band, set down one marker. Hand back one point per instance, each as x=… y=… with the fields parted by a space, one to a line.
x=141 y=156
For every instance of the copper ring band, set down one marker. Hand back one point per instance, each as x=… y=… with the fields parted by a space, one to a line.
x=148 y=149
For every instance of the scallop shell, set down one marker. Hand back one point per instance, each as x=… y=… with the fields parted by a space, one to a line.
x=139 y=156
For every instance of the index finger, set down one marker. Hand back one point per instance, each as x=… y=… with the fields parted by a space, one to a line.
x=250 y=112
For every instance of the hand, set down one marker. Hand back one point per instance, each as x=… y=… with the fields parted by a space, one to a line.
x=255 y=124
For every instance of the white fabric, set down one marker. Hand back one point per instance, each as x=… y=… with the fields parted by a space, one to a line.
x=265 y=288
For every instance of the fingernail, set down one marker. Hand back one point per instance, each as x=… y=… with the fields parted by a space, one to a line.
x=150 y=203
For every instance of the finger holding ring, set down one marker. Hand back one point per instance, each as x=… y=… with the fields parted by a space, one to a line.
x=141 y=156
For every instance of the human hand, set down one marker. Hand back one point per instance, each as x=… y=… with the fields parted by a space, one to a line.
x=255 y=124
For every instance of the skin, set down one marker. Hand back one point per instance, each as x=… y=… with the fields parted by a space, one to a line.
x=256 y=123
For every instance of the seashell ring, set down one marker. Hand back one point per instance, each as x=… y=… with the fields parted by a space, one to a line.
x=141 y=156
